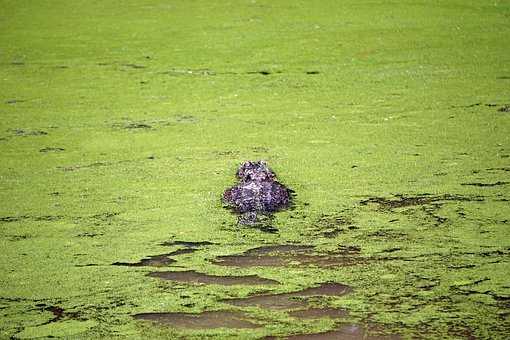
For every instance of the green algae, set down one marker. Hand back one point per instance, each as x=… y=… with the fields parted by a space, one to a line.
x=145 y=109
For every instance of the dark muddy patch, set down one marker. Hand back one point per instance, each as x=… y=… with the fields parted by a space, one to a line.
x=44 y=218
x=505 y=108
x=346 y=332
x=14 y=101
x=317 y=313
x=263 y=72
x=15 y=238
x=288 y=255
x=279 y=248
x=260 y=149
x=403 y=201
x=503 y=168
x=103 y=218
x=10 y=219
x=188 y=244
x=87 y=234
x=186 y=119
x=57 y=311
x=134 y=126
x=162 y=260
x=498 y=183
x=229 y=153
x=152 y=261
x=27 y=133
x=140 y=125
x=85 y=166
x=291 y=300
x=135 y=66
x=47 y=218
x=330 y=226
x=204 y=320
x=191 y=276
x=312 y=72
x=51 y=149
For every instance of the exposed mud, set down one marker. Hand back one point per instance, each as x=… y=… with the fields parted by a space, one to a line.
x=51 y=149
x=186 y=119
x=47 y=218
x=289 y=255
x=194 y=277
x=346 y=332
x=58 y=312
x=330 y=226
x=205 y=320
x=505 y=108
x=85 y=166
x=162 y=260
x=486 y=184
x=293 y=299
x=27 y=133
x=263 y=72
x=189 y=244
x=428 y=204
x=14 y=101
x=152 y=261
x=135 y=66
x=402 y=201
x=317 y=313
x=135 y=125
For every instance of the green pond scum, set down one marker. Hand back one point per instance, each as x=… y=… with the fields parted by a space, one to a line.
x=122 y=123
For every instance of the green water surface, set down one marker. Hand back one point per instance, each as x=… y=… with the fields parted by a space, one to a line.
x=122 y=122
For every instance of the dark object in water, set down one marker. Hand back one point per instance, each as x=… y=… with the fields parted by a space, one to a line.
x=257 y=194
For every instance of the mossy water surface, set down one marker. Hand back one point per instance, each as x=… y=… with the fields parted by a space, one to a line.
x=123 y=123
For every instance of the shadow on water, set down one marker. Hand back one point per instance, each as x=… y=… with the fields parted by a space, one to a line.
x=257 y=220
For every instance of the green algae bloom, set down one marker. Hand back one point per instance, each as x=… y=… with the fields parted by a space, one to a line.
x=124 y=122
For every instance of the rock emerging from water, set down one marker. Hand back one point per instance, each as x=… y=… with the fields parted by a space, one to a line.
x=257 y=194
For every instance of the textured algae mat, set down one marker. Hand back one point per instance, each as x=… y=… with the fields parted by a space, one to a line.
x=123 y=122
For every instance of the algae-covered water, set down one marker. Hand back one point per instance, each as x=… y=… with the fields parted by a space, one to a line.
x=123 y=122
